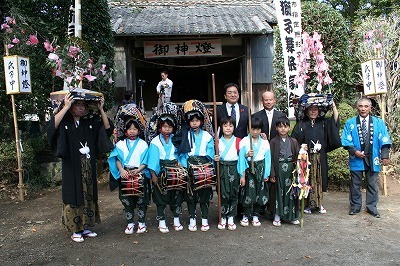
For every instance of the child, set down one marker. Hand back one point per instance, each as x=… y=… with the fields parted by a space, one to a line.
x=229 y=177
x=129 y=158
x=162 y=153
x=197 y=148
x=253 y=179
x=284 y=150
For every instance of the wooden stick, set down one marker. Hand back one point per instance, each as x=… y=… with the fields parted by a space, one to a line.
x=250 y=137
x=302 y=213
x=216 y=148
x=249 y=98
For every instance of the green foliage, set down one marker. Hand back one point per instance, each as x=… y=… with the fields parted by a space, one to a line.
x=380 y=37
x=31 y=168
x=330 y=24
x=356 y=10
x=48 y=19
x=338 y=160
x=346 y=111
x=338 y=169
x=96 y=31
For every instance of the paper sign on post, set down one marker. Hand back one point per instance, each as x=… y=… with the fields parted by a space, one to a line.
x=17 y=74
x=374 y=77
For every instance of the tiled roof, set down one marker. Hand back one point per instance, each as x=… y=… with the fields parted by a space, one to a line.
x=217 y=17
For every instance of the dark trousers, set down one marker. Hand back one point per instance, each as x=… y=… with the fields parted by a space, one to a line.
x=372 y=190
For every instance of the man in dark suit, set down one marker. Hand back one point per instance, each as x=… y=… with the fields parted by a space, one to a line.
x=269 y=115
x=234 y=109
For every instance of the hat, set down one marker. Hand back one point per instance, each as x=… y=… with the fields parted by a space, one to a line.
x=197 y=108
x=169 y=111
x=127 y=113
x=322 y=101
x=57 y=97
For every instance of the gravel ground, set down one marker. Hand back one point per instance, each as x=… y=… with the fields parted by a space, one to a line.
x=31 y=234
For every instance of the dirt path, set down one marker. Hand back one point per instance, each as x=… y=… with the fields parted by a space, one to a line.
x=31 y=234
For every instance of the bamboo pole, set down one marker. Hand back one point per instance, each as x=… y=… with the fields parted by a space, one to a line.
x=216 y=147
x=383 y=117
x=384 y=167
x=249 y=97
x=21 y=186
x=250 y=137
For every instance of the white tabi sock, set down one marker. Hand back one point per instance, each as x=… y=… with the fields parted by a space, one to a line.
x=223 y=221
x=177 y=222
x=255 y=219
x=230 y=220
x=277 y=217
x=192 y=222
x=141 y=225
x=204 y=221
x=162 y=224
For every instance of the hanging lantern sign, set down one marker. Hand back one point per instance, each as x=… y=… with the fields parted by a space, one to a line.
x=374 y=77
x=18 y=74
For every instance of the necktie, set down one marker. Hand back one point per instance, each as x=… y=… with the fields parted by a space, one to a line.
x=364 y=130
x=77 y=123
x=233 y=113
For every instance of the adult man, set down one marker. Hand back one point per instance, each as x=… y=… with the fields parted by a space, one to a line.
x=232 y=108
x=368 y=142
x=164 y=89
x=269 y=114
x=78 y=139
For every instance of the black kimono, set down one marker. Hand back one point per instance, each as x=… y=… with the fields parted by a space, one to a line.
x=79 y=177
x=326 y=132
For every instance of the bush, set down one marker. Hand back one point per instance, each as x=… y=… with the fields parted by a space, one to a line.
x=338 y=169
x=31 y=168
x=338 y=160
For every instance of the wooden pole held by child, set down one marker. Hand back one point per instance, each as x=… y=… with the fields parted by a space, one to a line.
x=216 y=147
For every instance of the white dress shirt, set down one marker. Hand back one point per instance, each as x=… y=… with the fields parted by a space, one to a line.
x=229 y=110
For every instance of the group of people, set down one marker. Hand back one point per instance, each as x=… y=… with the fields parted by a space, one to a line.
x=256 y=159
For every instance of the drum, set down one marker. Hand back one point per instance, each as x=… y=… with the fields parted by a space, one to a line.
x=133 y=186
x=202 y=175
x=173 y=178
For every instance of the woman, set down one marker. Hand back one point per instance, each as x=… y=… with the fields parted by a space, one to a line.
x=321 y=136
x=77 y=139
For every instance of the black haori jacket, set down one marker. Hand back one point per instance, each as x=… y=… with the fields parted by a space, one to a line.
x=65 y=142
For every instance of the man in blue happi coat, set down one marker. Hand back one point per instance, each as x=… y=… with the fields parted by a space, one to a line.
x=367 y=139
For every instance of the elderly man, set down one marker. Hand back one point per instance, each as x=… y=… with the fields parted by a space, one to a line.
x=368 y=142
x=269 y=115
x=234 y=109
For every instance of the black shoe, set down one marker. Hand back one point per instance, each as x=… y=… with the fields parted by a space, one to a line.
x=375 y=214
x=353 y=212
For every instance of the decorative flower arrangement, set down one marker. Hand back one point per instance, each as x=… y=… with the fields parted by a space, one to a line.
x=14 y=37
x=69 y=62
x=311 y=56
x=373 y=40
x=74 y=65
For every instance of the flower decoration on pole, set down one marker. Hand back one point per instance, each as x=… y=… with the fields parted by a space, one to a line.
x=373 y=40
x=312 y=56
x=15 y=37
x=69 y=62
x=74 y=65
